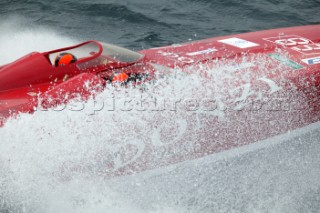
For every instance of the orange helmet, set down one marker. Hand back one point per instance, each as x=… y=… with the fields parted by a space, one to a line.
x=64 y=59
x=119 y=77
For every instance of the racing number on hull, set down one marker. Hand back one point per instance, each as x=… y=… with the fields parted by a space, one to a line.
x=309 y=47
x=292 y=41
x=297 y=43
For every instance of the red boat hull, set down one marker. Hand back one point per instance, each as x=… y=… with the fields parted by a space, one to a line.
x=281 y=65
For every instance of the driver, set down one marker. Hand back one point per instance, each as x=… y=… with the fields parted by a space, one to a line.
x=64 y=59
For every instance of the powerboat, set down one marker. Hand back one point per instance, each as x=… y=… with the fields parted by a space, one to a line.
x=282 y=64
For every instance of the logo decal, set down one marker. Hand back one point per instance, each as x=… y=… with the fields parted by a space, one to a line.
x=237 y=42
x=283 y=60
x=311 y=61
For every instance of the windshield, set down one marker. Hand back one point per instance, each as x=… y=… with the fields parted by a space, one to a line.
x=100 y=53
x=120 y=54
x=86 y=50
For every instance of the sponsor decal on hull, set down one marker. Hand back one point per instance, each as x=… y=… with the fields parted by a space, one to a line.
x=177 y=57
x=238 y=42
x=312 y=61
x=202 y=52
x=284 y=60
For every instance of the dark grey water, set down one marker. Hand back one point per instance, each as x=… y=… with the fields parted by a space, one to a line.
x=280 y=178
x=141 y=24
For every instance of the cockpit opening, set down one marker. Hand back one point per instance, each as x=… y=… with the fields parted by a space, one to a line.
x=93 y=50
